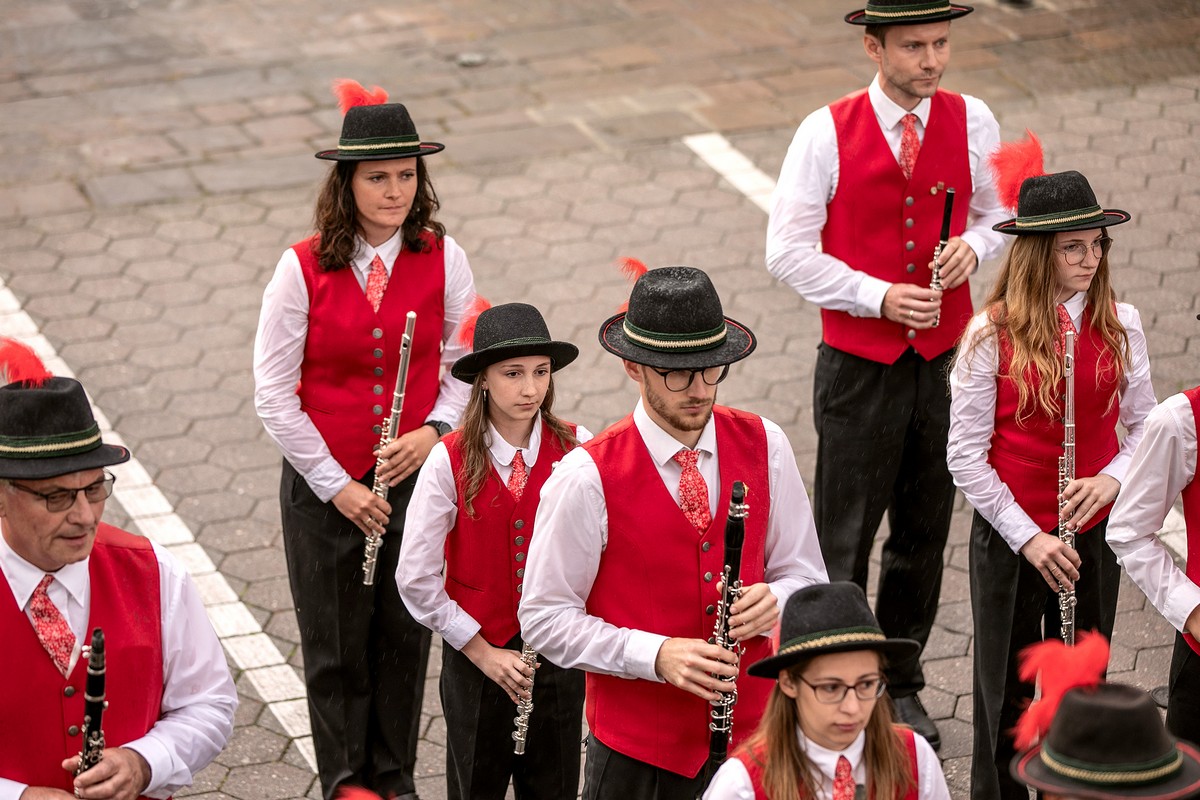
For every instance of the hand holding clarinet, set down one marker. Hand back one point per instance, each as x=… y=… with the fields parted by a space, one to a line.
x=953 y=259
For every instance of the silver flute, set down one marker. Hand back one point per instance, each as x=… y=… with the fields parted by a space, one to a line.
x=386 y=435
x=524 y=707
x=1066 y=474
x=935 y=282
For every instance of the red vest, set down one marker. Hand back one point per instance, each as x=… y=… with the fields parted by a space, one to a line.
x=658 y=574
x=485 y=556
x=1191 y=514
x=352 y=353
x=887 y=226
x=1026 y=456
x=41 y=708
x=756 y=761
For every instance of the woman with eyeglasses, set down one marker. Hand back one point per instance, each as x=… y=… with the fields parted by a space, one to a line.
x=828 y=730
x=1007 y=435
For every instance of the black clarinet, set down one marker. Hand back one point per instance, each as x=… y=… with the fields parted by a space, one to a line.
x=93 y=705
x=935 y=281
x=721 y=723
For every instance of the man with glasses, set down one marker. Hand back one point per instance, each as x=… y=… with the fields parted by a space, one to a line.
x=63 y=573
x=623 y=575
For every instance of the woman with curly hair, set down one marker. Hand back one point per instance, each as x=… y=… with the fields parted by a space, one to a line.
x=325 y=364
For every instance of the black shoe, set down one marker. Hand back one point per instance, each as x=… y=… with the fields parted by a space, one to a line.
x=1160 y=695
x=910 y=711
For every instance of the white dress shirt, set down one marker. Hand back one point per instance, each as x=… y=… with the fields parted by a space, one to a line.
x=572 y=533
x=1163 y=465
x=808 y=182
x=732 y=782
x=973 y=419
x=279 y=352
x=198 y=700
x=430 y=518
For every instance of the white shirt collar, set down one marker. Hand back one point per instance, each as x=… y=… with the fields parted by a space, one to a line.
x=826 y=760
x=503 y=453
x=662 y=445
x=387 y=252
x=1075 y=304
x=890 y=114
x=24 y=577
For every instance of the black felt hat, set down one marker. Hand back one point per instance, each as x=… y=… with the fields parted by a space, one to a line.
x=829 y=618
x=47 y=429
x=511 y=330
x=907 y=12
x=379 y=133
x=675 y=321
x=1109 y=741
x=1062 y=201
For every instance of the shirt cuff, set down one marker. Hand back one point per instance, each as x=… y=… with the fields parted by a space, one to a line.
x=11 y=790
x=641 y=651
x=1180 y=604
x=1017 y=528
x=462 y=629
x=977 y=245
x=1118 y=467
x=868 y=300
x=159 y=759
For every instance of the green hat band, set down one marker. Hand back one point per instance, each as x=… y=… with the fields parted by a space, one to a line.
x=835 y=638
x=62 y=444
x=1113 y=775
x=1064 y=218
x=675 y=342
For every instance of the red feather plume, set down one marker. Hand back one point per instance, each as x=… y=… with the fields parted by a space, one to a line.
x=1061 y=669
x=351 y=93
x=1012 y=163
x=633 y=269
x=357 y=793
x=466 y=328
x=18 y=362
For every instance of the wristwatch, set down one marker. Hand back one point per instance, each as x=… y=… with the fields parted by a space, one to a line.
x=442 y=428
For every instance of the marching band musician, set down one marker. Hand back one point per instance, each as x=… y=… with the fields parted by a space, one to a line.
x=853 y=228
x=623 y=574
x=1007 y=434
x=473 y=506
x=64 y=572
x=325 y=364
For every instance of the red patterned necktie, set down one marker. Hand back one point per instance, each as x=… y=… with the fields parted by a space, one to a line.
x=910 y=145
x=376 y=282
x=1064 y=324
x=51 y=628
x=693 y=491
x=843 y=781
x=520 y=474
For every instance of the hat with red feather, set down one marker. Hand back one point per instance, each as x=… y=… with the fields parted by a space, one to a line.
x=1062 y=201
x=1096 y=740
x=46 y=423
x=374 y=129
x=511 y=330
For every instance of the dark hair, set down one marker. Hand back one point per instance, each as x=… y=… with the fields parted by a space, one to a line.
x=336 y=216
x=876 y=32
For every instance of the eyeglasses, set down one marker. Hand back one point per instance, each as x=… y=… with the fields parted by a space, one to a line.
x=63 y=499
x=833 y=693
x=678 y=380
x=1075 y=253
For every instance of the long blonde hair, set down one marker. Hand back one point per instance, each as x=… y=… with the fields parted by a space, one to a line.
x=476 y=464
x=787 y=772
x=1021 y=308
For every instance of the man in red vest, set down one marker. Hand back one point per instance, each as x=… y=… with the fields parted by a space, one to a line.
x=622 y=578
x=64 y=573
x=856 y=216
x=1163 y=469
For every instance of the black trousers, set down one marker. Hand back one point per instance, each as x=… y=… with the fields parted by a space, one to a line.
x=881 y=446
x=1183 y=704
x=1013 y=607
x=479 y=727
x=609 y=775
x=364 y=655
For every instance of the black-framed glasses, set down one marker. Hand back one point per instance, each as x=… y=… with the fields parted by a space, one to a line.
x=678 y=380
x=1076 y=252
x=835 y=692
x=63 y=499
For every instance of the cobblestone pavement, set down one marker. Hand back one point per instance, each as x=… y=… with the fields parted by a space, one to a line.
x=156 y=157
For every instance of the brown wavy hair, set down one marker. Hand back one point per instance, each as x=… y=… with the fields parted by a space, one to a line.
x=335 y=218
x=787 y=772
x=1021 y=310
x=476 y=466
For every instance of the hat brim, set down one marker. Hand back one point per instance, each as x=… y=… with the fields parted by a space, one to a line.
x=470 y=365
x=1112 y=216
x=860 y=17
x=739 y=343
x=106 y=455
x=424 y=149
x=1029 y=768
x=895 y=649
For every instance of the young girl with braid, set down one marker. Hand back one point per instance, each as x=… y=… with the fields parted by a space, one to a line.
x=474 y=506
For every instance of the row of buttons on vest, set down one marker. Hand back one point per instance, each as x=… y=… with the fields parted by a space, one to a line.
x=378 y=353
x=520 y=556
x=708 y=576
x=909 y=246
x=74 y=729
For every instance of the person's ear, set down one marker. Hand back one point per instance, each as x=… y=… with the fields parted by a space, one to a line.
x=787 y=684
x=874 y=48
x=634 y=371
